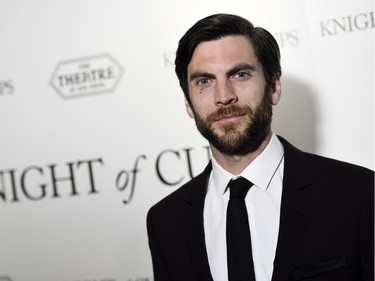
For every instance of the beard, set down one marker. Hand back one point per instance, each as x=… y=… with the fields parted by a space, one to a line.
x=231 y=139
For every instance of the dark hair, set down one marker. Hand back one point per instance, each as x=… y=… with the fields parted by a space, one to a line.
x=221 y=25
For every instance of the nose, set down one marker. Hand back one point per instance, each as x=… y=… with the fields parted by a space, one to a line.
x=224 y=93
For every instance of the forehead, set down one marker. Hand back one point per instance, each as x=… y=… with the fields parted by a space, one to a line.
x=223 y=53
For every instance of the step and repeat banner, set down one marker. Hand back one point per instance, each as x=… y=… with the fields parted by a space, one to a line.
x=94 y=129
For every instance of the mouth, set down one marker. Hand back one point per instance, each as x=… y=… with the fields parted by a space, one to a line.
x=229 y=117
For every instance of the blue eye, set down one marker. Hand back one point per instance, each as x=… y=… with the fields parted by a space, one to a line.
x=242 y=75
x=203 y=81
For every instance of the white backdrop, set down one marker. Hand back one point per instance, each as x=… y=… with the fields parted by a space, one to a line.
x=94 y=130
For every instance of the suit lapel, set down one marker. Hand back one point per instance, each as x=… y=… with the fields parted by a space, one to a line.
x=194 y=227
x=296 y=204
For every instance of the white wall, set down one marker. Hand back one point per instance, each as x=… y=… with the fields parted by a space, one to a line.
x=72 y=153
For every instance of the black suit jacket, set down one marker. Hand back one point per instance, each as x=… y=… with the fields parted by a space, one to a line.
x=326 y=224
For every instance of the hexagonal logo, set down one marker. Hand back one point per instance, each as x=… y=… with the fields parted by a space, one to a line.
x=86 y=76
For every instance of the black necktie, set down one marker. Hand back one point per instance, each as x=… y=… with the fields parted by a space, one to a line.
x=239 y=257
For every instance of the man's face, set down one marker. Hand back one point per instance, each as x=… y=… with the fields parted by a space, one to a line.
x=230 y=102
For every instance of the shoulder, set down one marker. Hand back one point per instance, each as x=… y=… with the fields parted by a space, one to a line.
x=341 y=177
x=322 y=164
x=194 y=189
x=326 y=172
x=333 y=167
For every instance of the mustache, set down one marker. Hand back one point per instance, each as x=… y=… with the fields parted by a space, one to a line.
x=230 y=110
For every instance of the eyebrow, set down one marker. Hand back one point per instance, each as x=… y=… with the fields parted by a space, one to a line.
x=241 y=66
x=199 y=74
x=230 y=72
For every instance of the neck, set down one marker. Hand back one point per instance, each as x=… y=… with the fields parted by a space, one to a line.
x=235 y=164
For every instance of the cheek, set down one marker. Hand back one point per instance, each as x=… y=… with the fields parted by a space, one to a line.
x=201 y=100
x=200 y=110
x=252 y=99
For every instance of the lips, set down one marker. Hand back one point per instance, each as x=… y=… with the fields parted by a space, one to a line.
x=229 y=117
x=228 y=113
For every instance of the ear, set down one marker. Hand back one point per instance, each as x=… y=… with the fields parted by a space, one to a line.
x=276 y=90
x=188 y=109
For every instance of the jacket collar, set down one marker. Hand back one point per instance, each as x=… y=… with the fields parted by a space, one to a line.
x=193 y=224
x=296 y=205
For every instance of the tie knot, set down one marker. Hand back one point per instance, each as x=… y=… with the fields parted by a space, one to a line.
x=239 y=188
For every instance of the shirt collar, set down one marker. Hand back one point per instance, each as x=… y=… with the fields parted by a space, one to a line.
x=260 y=172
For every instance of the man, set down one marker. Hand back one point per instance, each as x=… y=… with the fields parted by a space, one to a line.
x=310 y=218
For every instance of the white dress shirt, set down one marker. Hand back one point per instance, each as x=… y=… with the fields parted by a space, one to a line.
x=263 y=207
